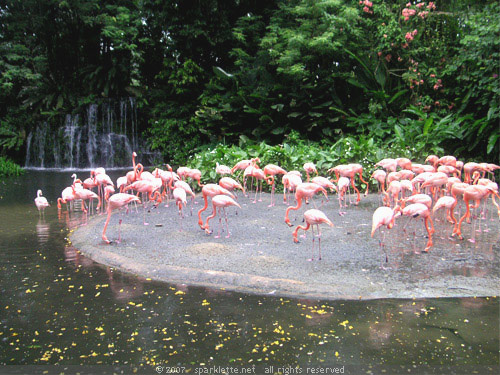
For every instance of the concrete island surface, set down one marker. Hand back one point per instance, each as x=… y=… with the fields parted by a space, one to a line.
x=260 y=255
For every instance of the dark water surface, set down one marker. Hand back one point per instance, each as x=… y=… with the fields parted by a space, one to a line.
x=58 y=307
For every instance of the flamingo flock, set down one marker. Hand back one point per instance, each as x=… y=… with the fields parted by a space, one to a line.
x=405 y=188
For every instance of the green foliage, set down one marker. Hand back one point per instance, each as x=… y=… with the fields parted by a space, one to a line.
x=217 y=71
x=9 y=168
x=295 y=151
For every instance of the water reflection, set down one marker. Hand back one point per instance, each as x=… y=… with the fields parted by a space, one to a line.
x=42 y=230
x=58 y=306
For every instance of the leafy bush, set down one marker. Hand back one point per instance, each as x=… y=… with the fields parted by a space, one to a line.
x=9 y=168
x=294 y=152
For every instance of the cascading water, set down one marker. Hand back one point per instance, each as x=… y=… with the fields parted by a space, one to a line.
x=103 y=135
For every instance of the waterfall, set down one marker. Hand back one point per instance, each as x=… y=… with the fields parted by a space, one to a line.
x=91 y=134
x=102 y=134
x=72 y=136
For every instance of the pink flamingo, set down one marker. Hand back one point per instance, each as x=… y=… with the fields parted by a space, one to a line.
x=433 y=160
x=404 y=163
x=241 y=166
x=67 y=195
x=195 y=174
x=435 y=181
x=418 y=198
x=259 y=176
x=384 y=216
x=475 y=193
x=390 y=165
x=290 y=182
x=406 y=174
x=147 y=187
x=420 y=179
x=313 y=217
x=380 y=176
x=117 y=201
x=447 y=160
x=90 y=183
x=85 y=194
x=449 y=203
x=132 y=175
x=421 y=168
x=211 y=190
x=222 y=169
x=350 y=171
x=406 y=185
x=449 y=170
x=392 y=193
x=394 y=176
x=220 y=201
x=187 y=189
x=41 y=203
x=121 y=183
x=421 y=210
x=469 y=169
x=180 y=199
x=310 y=168
x=230 y=184
x=325 y=183
x=342 y=186
x=182 y=172
x=272 y=170
x=304 y=190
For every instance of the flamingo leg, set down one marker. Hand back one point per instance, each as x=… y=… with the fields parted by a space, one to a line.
x=429 y=243
x=319 y=241
x=458 y=230
x=312 y=249
x=356 y=190
x=227 y=226
x=220 y=224
x=104 y=238
x=119 y=231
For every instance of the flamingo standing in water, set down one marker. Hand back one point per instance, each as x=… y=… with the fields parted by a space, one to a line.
x=272 y=170
x=211 y=190
x=313 y=217
x=304 y=190
x=41 y=203
x=85 y=194
x=218 y=202
x=384 y=216
x=67 y=195
x=117 y=201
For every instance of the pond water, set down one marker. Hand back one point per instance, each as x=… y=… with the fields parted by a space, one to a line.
x=58 y=307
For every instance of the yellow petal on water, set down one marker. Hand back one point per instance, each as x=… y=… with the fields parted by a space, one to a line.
x=179 y=292
x=336 y=354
